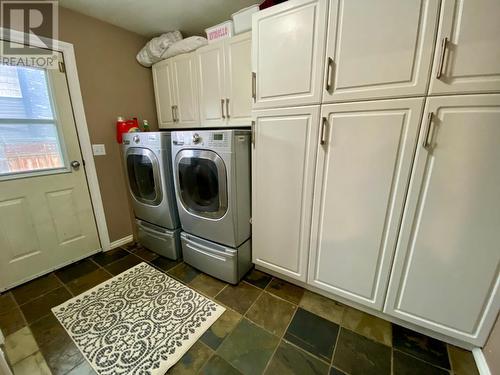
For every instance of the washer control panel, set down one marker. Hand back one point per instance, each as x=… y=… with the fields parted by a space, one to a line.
x=151 y=140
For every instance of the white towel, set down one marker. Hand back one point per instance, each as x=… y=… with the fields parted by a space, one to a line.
x=153 y=50
x=184 y=46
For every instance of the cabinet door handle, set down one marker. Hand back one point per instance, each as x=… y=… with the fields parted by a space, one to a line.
x=253 y=134
x=173 y=113
x=324 y=123
x=222 y=108
x=176 y=111
x=444 y=46
x=227 y=107
x=254 y=86
x=329 y=74
x=426 y=144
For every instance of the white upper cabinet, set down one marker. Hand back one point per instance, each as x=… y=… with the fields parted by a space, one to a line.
x=445 y=275
x=288 y=45
x=467 y=58
x=283 y=160
x=225 y=84
x=362 y=173
x=185 y=90
x=379 y=49
x=176 y=92
x=211 y=84
x=163 y=86
x=239 y=79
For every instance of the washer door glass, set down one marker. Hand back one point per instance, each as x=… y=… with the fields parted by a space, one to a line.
x=201 y=183
x=143 y=176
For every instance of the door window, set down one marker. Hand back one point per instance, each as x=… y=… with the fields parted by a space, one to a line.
x=142 y=170
x=201 y=179
x=29 y=135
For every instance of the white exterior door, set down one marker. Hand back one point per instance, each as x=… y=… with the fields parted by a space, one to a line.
x=362 y=173
x=379 y=49
x=283 y=160
x=288 y=45
x=239 y=80
x=467 y=58
x=162 y=82
x=211 y=84
x=446 y=271
x=46 y=216
x=186 y=109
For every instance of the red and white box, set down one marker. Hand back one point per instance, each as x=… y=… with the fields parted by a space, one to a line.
x=221 y=31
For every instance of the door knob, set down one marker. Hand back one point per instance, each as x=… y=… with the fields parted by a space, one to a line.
x=75 y=164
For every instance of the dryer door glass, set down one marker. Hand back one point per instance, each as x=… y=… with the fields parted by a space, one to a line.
x=143 y=176
x=201 y=180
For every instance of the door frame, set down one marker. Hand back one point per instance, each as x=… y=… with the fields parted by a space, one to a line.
x=81 y=129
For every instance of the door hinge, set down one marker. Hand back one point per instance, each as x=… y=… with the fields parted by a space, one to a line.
x=83 y=162
x=62 y=67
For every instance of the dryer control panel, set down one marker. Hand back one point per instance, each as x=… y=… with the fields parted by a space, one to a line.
x=212 y=139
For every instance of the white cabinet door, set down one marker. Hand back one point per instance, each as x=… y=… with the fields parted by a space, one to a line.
x=239 y=80
x=283 y=160
x=445 y=275
x=186 y=91
x=379 y=49
x=467 y=58
x=361 y=179
x=164 y=96
x=288 y=45
x=210 y=64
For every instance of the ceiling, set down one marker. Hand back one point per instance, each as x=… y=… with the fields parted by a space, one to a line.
x=153 y=17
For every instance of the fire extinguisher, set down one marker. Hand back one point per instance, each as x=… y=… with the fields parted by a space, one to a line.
x=124 y=126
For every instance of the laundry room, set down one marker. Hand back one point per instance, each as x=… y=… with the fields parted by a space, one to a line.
x=249 y=187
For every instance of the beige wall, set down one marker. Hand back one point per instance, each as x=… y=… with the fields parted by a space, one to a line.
x=112 y=84
x=492 y=349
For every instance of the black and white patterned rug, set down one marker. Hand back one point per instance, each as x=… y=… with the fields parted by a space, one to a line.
x=139 y=322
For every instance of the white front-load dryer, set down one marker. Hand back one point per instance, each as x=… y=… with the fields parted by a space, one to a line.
x=212 y=184
x=212 y=187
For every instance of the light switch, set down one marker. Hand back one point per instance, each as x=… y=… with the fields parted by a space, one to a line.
x=98 y=150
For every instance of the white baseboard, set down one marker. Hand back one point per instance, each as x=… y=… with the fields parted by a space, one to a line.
x=121 y=241
x=481 y=363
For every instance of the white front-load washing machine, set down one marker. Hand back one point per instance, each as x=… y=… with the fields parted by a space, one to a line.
x=212 y=184
x=149 y=174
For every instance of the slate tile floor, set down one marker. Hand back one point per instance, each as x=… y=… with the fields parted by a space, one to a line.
x=270 y=327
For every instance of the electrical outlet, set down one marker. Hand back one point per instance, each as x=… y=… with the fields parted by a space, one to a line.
x=98 y=150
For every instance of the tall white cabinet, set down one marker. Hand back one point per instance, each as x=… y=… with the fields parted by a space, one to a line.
x=368 y=184
x=445 y=274
x=361 y=175
x=225 y=84
x=284 y=154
